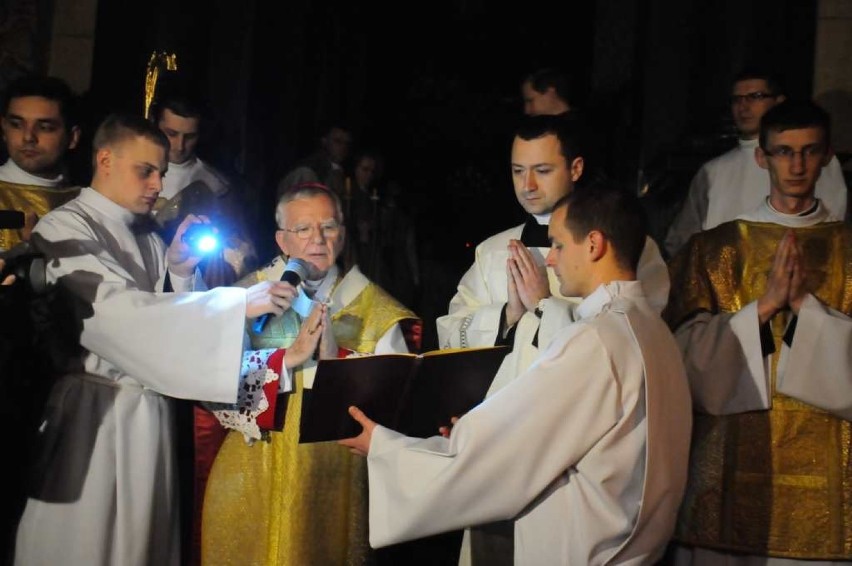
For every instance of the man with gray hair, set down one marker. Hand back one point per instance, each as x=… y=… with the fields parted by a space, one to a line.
x=312 y=497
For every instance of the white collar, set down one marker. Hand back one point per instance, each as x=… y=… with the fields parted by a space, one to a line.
x=104 y=205
x=601 y=297
x=767 y=213
x=185 y=166
x=748 y=144
x=12 y=173
x=543 y=219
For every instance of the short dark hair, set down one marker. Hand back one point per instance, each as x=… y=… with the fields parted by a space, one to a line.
x=794 y=115
x=567 y=129
x=117 y=128
x=611 y=210
x=182 y=104
x=543 y=79
x=773 y=81
x=51 y=88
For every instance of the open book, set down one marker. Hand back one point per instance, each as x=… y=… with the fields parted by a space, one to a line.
x=413 y=394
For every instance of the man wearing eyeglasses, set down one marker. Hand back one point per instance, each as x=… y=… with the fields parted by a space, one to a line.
x=281 y=502
x=733 y=184
x=761 y=310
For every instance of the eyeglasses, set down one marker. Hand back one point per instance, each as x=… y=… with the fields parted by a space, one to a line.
x=751 y=97
x=305 y=231
x=786 y=153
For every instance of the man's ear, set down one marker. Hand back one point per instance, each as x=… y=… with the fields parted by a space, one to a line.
x=760 y=157
x=577 y=169
x=598 y=245
x=74 y=137
x=103 y=159
x=281 y=241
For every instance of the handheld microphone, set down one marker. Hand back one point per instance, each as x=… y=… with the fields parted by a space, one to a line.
x=294 y=272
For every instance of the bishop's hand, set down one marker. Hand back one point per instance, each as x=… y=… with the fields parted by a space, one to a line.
x=305 y=344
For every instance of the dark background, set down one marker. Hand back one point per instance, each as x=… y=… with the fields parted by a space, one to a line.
x=436 y=87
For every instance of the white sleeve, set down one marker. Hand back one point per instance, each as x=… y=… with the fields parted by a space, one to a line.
x=473 y=317
x=392 y=342
x=184 y=345
x=653 y=273
x=690 y=218
x=831 y=188
x=819 y=364
x=724 y=361
x=490 y=469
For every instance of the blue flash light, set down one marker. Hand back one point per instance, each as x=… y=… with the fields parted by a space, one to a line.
x=202 y=238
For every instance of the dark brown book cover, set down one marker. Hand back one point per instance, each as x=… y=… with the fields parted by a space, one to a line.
x=411 y=393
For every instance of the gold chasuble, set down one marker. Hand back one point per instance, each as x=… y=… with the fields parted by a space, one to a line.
x=30 y=198
x=778 y=482
x=282 y=503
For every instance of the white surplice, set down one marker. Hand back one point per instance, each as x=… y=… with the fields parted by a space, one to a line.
x=728 y=373
x=587 y=450
x=181 y=175
x=107 y=491
x=734 y=184
x=474 y=313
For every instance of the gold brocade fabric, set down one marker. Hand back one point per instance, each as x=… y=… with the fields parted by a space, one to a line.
x=282 y=503
x=778 y=482
x=30 y=198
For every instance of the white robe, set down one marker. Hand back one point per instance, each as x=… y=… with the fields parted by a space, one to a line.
x=609 y=404
x=108 y=494
x=474 y=314
x=181 y=175
x=728 y=373
x=734 y=184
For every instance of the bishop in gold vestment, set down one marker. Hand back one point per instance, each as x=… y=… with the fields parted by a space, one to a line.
x=280 y=502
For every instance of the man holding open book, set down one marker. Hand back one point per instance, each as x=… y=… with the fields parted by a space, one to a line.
x=587 y=450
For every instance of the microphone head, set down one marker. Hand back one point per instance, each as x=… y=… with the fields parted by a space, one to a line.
x=296 y=271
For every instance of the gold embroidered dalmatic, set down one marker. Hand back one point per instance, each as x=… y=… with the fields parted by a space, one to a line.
x=282 y=503
x=777 y=482
x=30 y=198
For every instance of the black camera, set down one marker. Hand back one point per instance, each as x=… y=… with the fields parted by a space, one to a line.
x=28 y=267
x=12 y=219
x=22 y=261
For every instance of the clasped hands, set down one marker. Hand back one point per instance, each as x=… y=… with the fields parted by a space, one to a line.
x=528 y=282
x=785 y=284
